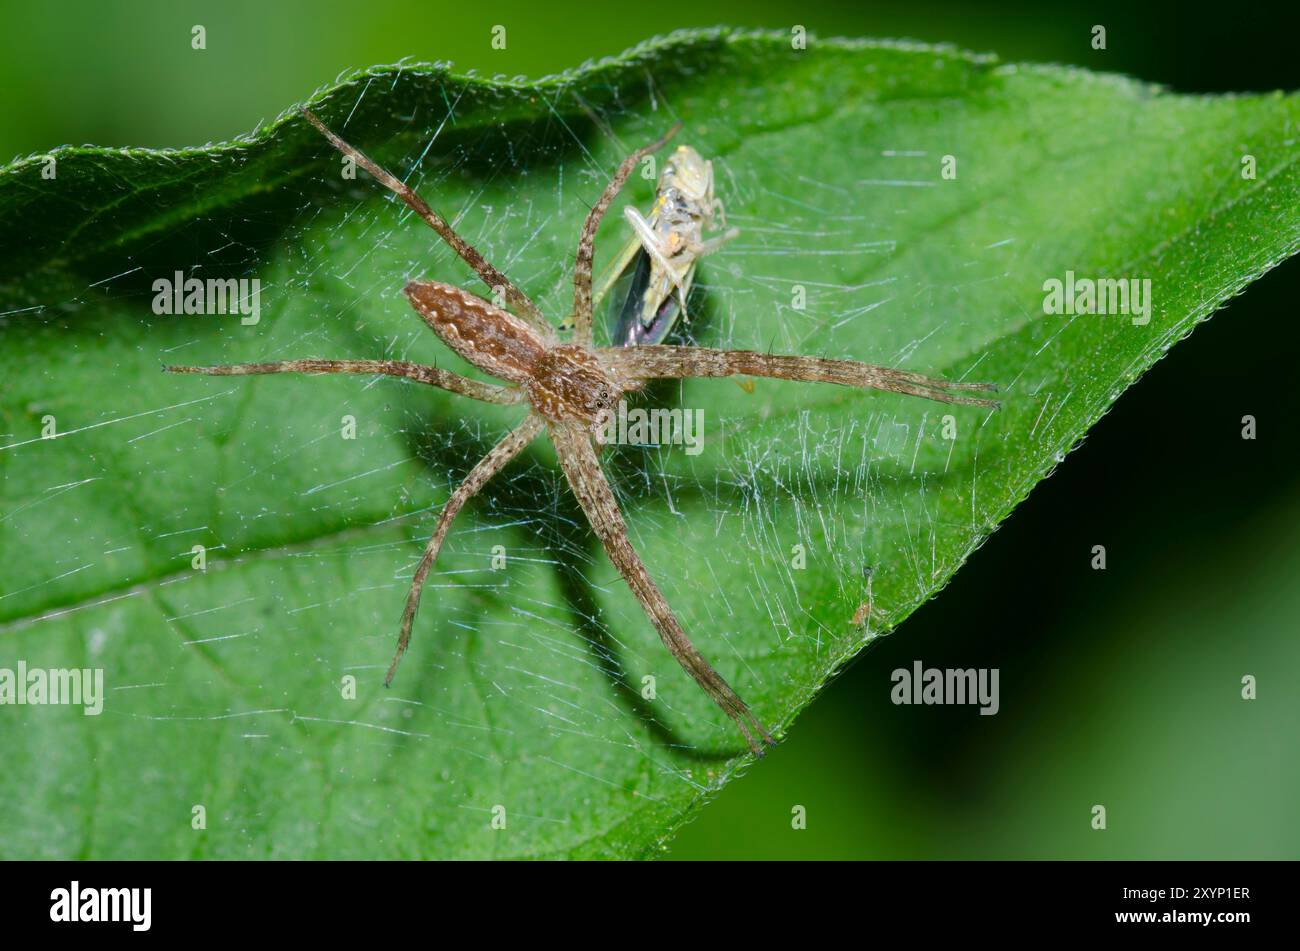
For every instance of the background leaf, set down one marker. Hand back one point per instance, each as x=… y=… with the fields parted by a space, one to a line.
x=522 y=686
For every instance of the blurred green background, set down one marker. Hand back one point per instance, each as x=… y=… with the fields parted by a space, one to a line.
x=1119 y=687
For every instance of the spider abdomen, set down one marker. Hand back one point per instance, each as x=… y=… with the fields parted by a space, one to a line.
x=494 y=340
x=569 y=383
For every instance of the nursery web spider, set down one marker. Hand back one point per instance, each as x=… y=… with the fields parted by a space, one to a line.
x=567 y=386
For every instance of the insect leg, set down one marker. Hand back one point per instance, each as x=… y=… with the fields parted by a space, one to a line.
x=653 y=245
x=649 y=239
x=712 y=244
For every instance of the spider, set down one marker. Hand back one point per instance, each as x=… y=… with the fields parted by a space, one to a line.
x=569 y=385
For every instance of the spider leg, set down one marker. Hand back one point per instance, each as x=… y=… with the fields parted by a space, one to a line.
x=516 y=299
x=581 y=466
x=587 y=241
x=655 y=362
x=483 y=470
x=487 y=392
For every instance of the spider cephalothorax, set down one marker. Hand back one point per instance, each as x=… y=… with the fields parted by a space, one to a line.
x=563 y=381
x=570 y=385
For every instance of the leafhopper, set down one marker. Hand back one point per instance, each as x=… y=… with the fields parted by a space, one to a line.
x=653 y=273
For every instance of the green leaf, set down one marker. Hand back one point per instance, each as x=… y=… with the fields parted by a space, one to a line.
x=523 y=688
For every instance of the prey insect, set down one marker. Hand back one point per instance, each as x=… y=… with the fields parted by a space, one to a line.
x=568 y=386
x=656 y=269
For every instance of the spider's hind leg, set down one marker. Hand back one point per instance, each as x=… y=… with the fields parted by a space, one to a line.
x=587 y=240
x=516 y=299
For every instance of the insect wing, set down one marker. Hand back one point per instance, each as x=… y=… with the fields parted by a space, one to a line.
x=645 y=305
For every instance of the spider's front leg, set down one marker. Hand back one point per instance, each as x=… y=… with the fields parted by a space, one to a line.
x=483 y=470
x=660 y=362
x=578 y=459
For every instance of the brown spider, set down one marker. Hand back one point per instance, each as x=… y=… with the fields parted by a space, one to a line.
x=569 y=386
